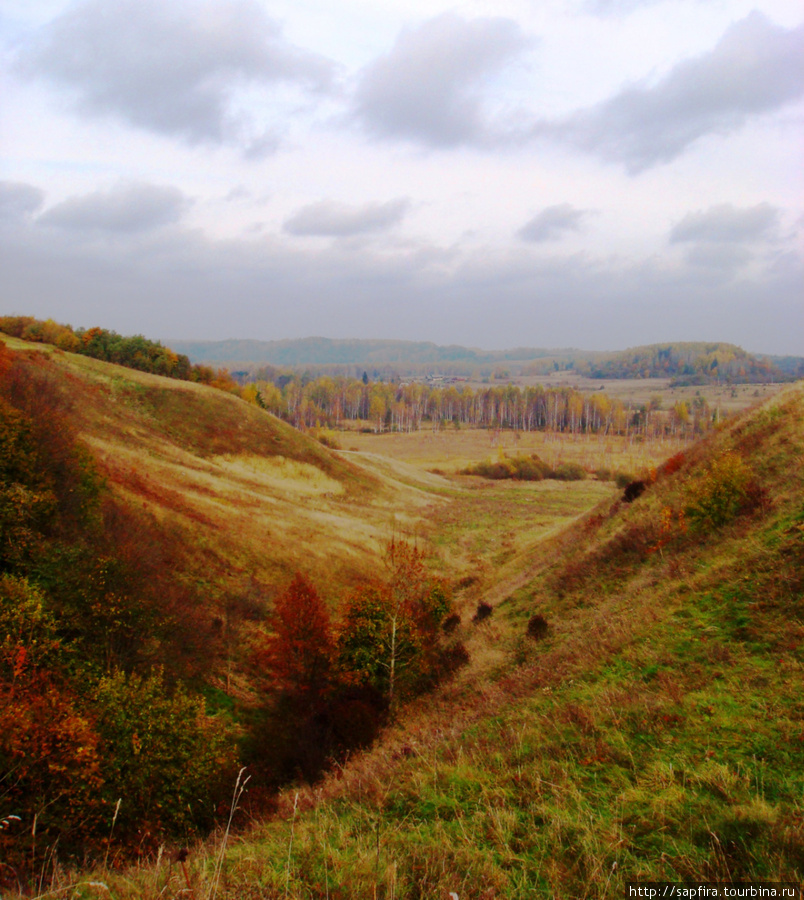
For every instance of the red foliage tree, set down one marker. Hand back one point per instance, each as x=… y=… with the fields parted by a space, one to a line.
x=299 y=653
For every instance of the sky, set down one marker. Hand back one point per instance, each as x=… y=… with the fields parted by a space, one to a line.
x=597 y=174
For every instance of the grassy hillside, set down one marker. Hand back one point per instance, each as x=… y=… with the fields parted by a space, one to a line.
x=245 y=492
x=650 y=727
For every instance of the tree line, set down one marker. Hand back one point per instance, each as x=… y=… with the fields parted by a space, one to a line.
x=685 y=363
x=388 y=406
x=134 y=352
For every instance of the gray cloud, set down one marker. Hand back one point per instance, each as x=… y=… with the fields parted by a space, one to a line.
x=552 y=223
x=719 y=256
x=176 y=282
x=125 y=208
x=18 y=200
x=170 y=67
x=329 y=218
x=755 y=68
x=725 y=223
x=427 y=88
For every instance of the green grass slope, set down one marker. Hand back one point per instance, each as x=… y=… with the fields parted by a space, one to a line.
x=655 y=731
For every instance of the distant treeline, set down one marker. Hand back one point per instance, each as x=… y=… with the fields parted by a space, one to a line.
x=410 y=406
x=134 y=352
x=689 y=363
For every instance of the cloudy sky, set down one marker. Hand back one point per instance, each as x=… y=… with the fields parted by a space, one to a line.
x=554 y=173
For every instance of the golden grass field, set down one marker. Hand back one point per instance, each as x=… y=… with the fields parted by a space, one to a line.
x=257 y=500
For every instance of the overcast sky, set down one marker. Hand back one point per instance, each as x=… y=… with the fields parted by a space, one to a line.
x=587 y=173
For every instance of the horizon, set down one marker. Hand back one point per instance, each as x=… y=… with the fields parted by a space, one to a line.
x=591 y=174
x=508 y=349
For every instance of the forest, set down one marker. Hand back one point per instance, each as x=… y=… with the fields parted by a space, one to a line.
x=410 y=406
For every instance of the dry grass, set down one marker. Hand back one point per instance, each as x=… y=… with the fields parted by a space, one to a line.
x=450 y=451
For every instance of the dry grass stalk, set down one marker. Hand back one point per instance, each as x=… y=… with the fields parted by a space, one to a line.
x=239 y=788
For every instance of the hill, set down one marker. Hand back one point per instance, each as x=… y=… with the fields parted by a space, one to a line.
x=636 y=713
x=691 y=362
x=147 y=526
x=318 y=351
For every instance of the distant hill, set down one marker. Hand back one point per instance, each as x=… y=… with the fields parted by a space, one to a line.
x=690 y=362
x=318 y=351
x=693 y=363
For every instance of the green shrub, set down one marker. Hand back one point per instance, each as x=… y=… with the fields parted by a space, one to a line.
x=569 y=471
x=519 y=468
x=167 y=761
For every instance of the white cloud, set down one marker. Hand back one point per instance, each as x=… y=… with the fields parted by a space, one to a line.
x=725 y=223
x=552 y=223
x=755 y=68
x=171 y=68
x=18 y=200
x=428 y=88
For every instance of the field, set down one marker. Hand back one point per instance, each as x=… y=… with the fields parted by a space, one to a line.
x=449 y=450
x=640 y=391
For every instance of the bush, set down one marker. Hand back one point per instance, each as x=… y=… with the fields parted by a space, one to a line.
x=519 y=468
x=723 y=491
x=328 y=438
x=569 y=471
x=537 y=627
x=633 y=490
x=169 y=762
x=483 y=612
x=48 y=744
x=451 y=623
x=452 y=658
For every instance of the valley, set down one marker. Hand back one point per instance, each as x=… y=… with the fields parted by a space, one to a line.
x=628 y=705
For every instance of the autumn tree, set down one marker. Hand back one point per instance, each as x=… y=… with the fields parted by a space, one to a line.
x=299 y=652
x=389 y=634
